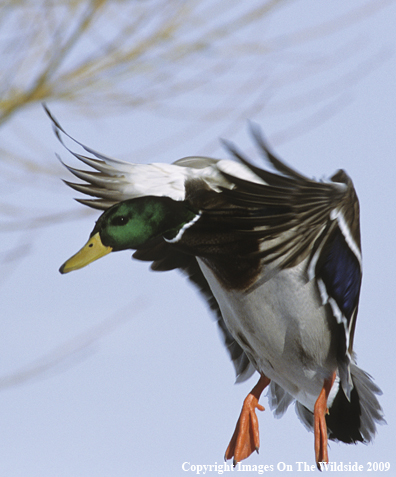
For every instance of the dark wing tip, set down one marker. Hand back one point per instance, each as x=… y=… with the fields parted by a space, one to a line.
x=279 y=165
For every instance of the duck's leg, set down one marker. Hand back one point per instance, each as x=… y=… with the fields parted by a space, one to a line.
x=320 y=427
x=245 y=439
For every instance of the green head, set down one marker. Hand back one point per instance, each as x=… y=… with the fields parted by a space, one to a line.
x=131 y=224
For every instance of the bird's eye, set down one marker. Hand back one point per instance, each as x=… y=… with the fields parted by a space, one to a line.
x=120 y=220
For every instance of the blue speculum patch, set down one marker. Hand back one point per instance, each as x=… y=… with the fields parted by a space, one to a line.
x=341 y=273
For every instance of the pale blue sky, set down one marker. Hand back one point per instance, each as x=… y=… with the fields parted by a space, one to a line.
x=152 y=386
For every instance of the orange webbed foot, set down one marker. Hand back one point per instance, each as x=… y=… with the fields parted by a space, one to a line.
x=320 y=426
x=245 y=439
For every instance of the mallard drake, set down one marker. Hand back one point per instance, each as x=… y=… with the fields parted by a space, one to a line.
x=278 y=257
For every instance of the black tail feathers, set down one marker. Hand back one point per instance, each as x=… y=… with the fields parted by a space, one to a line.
x=353 y=420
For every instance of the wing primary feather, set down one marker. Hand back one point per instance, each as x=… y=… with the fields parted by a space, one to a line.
x=58 y=127
x=98 y=204
x=96 y=191
x=277 y=163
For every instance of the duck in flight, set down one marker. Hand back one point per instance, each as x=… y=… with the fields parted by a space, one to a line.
x=277 y=255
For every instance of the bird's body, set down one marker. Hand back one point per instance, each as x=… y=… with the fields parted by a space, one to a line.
x=285 y=334
x=277 y=256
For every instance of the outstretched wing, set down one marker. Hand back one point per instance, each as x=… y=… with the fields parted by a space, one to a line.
x=294 y=218
x=111 y=181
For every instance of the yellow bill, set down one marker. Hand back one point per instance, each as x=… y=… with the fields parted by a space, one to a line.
x=91 y=251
